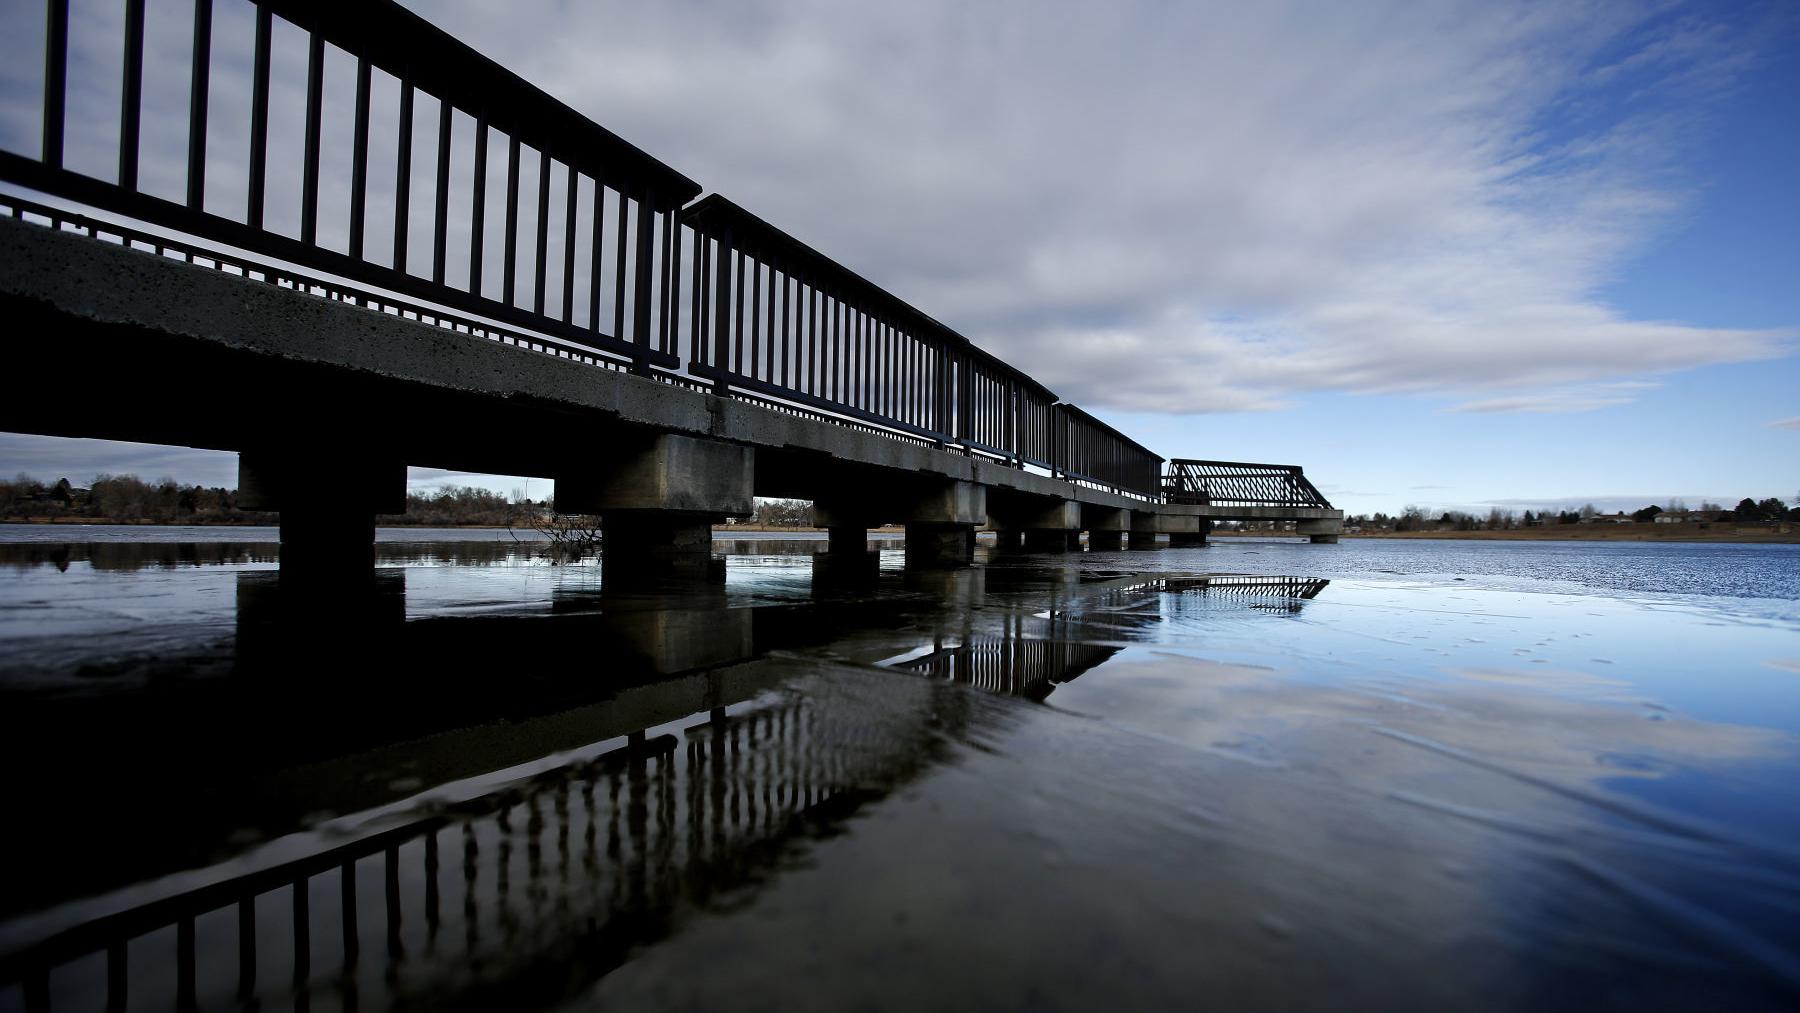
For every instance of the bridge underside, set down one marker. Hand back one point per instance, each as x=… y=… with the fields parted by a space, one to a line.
x=328 y=402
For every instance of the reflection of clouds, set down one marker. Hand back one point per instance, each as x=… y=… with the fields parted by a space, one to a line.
x=1784 y=664
x=1548 y=722
x=1477 y=806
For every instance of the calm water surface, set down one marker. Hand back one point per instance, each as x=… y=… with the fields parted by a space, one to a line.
x=1262 y=774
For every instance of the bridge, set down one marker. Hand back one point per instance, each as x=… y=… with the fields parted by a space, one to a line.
x=535 y=297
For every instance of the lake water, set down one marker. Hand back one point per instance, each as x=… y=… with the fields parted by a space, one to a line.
x=1262 y=774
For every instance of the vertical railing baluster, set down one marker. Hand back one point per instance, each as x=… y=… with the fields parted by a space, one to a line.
x=118 y=981
x=700 y=344
x=571 y=197
x=432 y=915
x=737 y=320
x=347 y=912
x=131 y=94
x=625 y=203
x=359 y=160
x=246 y=912
x=598 y=241
x=640 y=277
x=811 y=366
x=542 y=255
x=390 y=882
x=509 y=264
x=696 y=342
x=756 y=328
x=478 y=204
x=309 y=172
x=302 y=934
x=440 y=234
x=184 y=963
x=722 y=313
x=665 y=296
x=403 y=176
x=259 y=121
x=199 y=81
x=56 y=79
x=672 y=257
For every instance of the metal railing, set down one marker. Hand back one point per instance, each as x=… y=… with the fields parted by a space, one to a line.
x=1088 y=450
x=411 y=88
x=1235 y=483
x=519 y=219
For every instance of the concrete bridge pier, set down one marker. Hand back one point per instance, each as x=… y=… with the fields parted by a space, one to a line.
x=328 y=493
x=1320 y=532
x=1145 y=527
x=1106 y=527
x=1008 y=539
x=658 y=497
x=940 y=519
x=1048 y=525
x=1185 y=530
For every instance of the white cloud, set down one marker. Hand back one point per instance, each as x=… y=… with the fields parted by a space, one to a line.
x=1197 y=208
x=1561 y=400
x=1793 y=423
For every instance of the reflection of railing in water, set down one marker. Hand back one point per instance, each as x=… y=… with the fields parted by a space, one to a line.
x=1014 y=666
x=1250 y=585
x=598 y=852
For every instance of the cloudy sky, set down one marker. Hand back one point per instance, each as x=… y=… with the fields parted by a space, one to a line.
x=1441 y=253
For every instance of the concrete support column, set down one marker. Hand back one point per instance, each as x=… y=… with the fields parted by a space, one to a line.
x=931 y=543
x=1145 y=527
x=1106 y=527
x=1203 y=528
x=940 y=517
x=1321 y=532
x=328 y=492
x=656 y=535
x=847 y=540
x=1048 y=525
x=846 y=559
x=1183 y=529
x=658 y=497
x=1009 y=540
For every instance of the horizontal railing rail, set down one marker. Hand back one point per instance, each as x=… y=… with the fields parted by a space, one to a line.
x=1237 y=483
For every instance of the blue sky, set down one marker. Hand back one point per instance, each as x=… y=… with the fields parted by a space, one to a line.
x=1448 y=253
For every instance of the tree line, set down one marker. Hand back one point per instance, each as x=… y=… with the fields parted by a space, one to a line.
x=128 y=499
x=1413 y=518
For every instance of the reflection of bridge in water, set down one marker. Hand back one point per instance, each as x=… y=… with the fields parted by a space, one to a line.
x=1033 y=654
x=535 y=889
x=547 y=881
x=1273 y=594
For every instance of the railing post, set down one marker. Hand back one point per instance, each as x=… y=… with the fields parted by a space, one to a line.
x=721 y=317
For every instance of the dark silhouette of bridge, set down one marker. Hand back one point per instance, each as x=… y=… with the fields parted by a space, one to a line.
x=533 y=296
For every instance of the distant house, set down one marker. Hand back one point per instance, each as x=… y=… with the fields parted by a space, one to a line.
x=1688 y=516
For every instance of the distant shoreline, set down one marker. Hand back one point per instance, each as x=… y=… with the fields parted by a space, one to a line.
x=1548 y=533
x=1562 y=533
